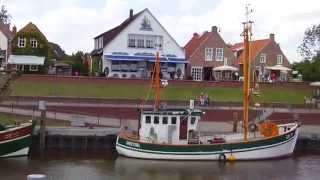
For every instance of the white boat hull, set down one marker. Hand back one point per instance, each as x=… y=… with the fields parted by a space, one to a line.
x=270 y=150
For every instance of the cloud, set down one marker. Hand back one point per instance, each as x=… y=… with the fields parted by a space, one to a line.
x=74 y=23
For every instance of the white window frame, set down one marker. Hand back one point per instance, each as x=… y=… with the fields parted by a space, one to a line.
x=219 y=54
x=149 y=41
x=131 y=41
x=31 y=68
x=196 y=73
x=22 y=42
x=33 y=43
x=208 y=54
x=263 y=58
x=140 y=39
x=279 y=59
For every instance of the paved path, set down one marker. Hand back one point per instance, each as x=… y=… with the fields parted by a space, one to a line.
x=75 y=119
x=115 y=105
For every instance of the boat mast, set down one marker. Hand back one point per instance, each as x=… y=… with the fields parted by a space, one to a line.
x=156 y=82
x=246 y=72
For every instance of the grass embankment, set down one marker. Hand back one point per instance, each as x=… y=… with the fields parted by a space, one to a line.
x=279 y=95
x=9 y=119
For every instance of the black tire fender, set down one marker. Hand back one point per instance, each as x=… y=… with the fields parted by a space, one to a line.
x=222 y=157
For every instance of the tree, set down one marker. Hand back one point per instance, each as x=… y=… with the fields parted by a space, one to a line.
x=4 y=16
x=310 y=50
x=78 y=63
x=310 y=70
x=310 y=47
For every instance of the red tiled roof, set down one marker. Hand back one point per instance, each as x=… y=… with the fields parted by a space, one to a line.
x=194 y=43
x=255 y=49
x=5 y=29
x=112 y=33
x=237 y=46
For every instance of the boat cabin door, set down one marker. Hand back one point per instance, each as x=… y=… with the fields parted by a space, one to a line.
x=183 y=127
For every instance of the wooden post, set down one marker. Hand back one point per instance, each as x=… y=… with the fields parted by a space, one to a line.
x=42 y=133
x=235 y=121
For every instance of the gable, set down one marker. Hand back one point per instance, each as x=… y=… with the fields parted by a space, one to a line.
x=255 y=48
x=211 y=40
x=31 y=28
x=272 y=50
x=143 y=24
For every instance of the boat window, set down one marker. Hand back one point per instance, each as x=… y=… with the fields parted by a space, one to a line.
x=183 y=118
x=173 y=120
x=165 y=120
x=193 y=120
x=156 y=120
x=148 y=119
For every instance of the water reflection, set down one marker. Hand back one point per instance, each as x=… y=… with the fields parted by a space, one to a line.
x=184 y=170
x=107 y=165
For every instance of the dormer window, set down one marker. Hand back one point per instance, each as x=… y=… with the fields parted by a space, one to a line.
x=21 y=42
x=33 y=42
x=279 y=59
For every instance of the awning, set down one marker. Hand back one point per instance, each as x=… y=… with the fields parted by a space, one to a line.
x=278 y=67
x=144 y=58
x=26 y=60
x=316 y=84
x=225 y=68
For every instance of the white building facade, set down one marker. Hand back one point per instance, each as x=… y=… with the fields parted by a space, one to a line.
x=129 y=50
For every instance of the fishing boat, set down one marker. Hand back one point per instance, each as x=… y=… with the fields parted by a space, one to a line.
x=15 y=140
x=174 y=134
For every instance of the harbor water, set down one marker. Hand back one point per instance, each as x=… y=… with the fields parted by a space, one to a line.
x=68 y=165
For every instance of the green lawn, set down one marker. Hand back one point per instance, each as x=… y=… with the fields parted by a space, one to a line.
x=9 y=119
x=281 y=95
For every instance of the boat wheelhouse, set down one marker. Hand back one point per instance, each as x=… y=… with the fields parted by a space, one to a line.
x=170 y=126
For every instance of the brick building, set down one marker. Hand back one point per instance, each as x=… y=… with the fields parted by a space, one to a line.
x=210 y=58
x=269 y=63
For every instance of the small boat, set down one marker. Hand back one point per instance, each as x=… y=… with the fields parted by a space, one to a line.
x=174 y=134
x=15 y=140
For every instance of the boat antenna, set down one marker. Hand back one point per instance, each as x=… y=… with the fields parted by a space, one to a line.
x=247 y=33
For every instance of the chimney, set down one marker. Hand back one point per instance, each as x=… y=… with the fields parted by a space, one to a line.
x=195 y=35
x=214 y=29
x=14 y=29
x=131 y=13
x=271 y=36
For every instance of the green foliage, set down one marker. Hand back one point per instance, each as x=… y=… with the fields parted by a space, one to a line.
x=5 y=18
x=78 y=62
x=96 y=65
x=41 y=50
x=310 y=70
x=310 y=46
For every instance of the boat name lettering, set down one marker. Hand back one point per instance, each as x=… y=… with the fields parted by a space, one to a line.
x=133 y=144
x=11 y=135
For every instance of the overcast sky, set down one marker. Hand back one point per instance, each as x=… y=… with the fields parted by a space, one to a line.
x=73 y=23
